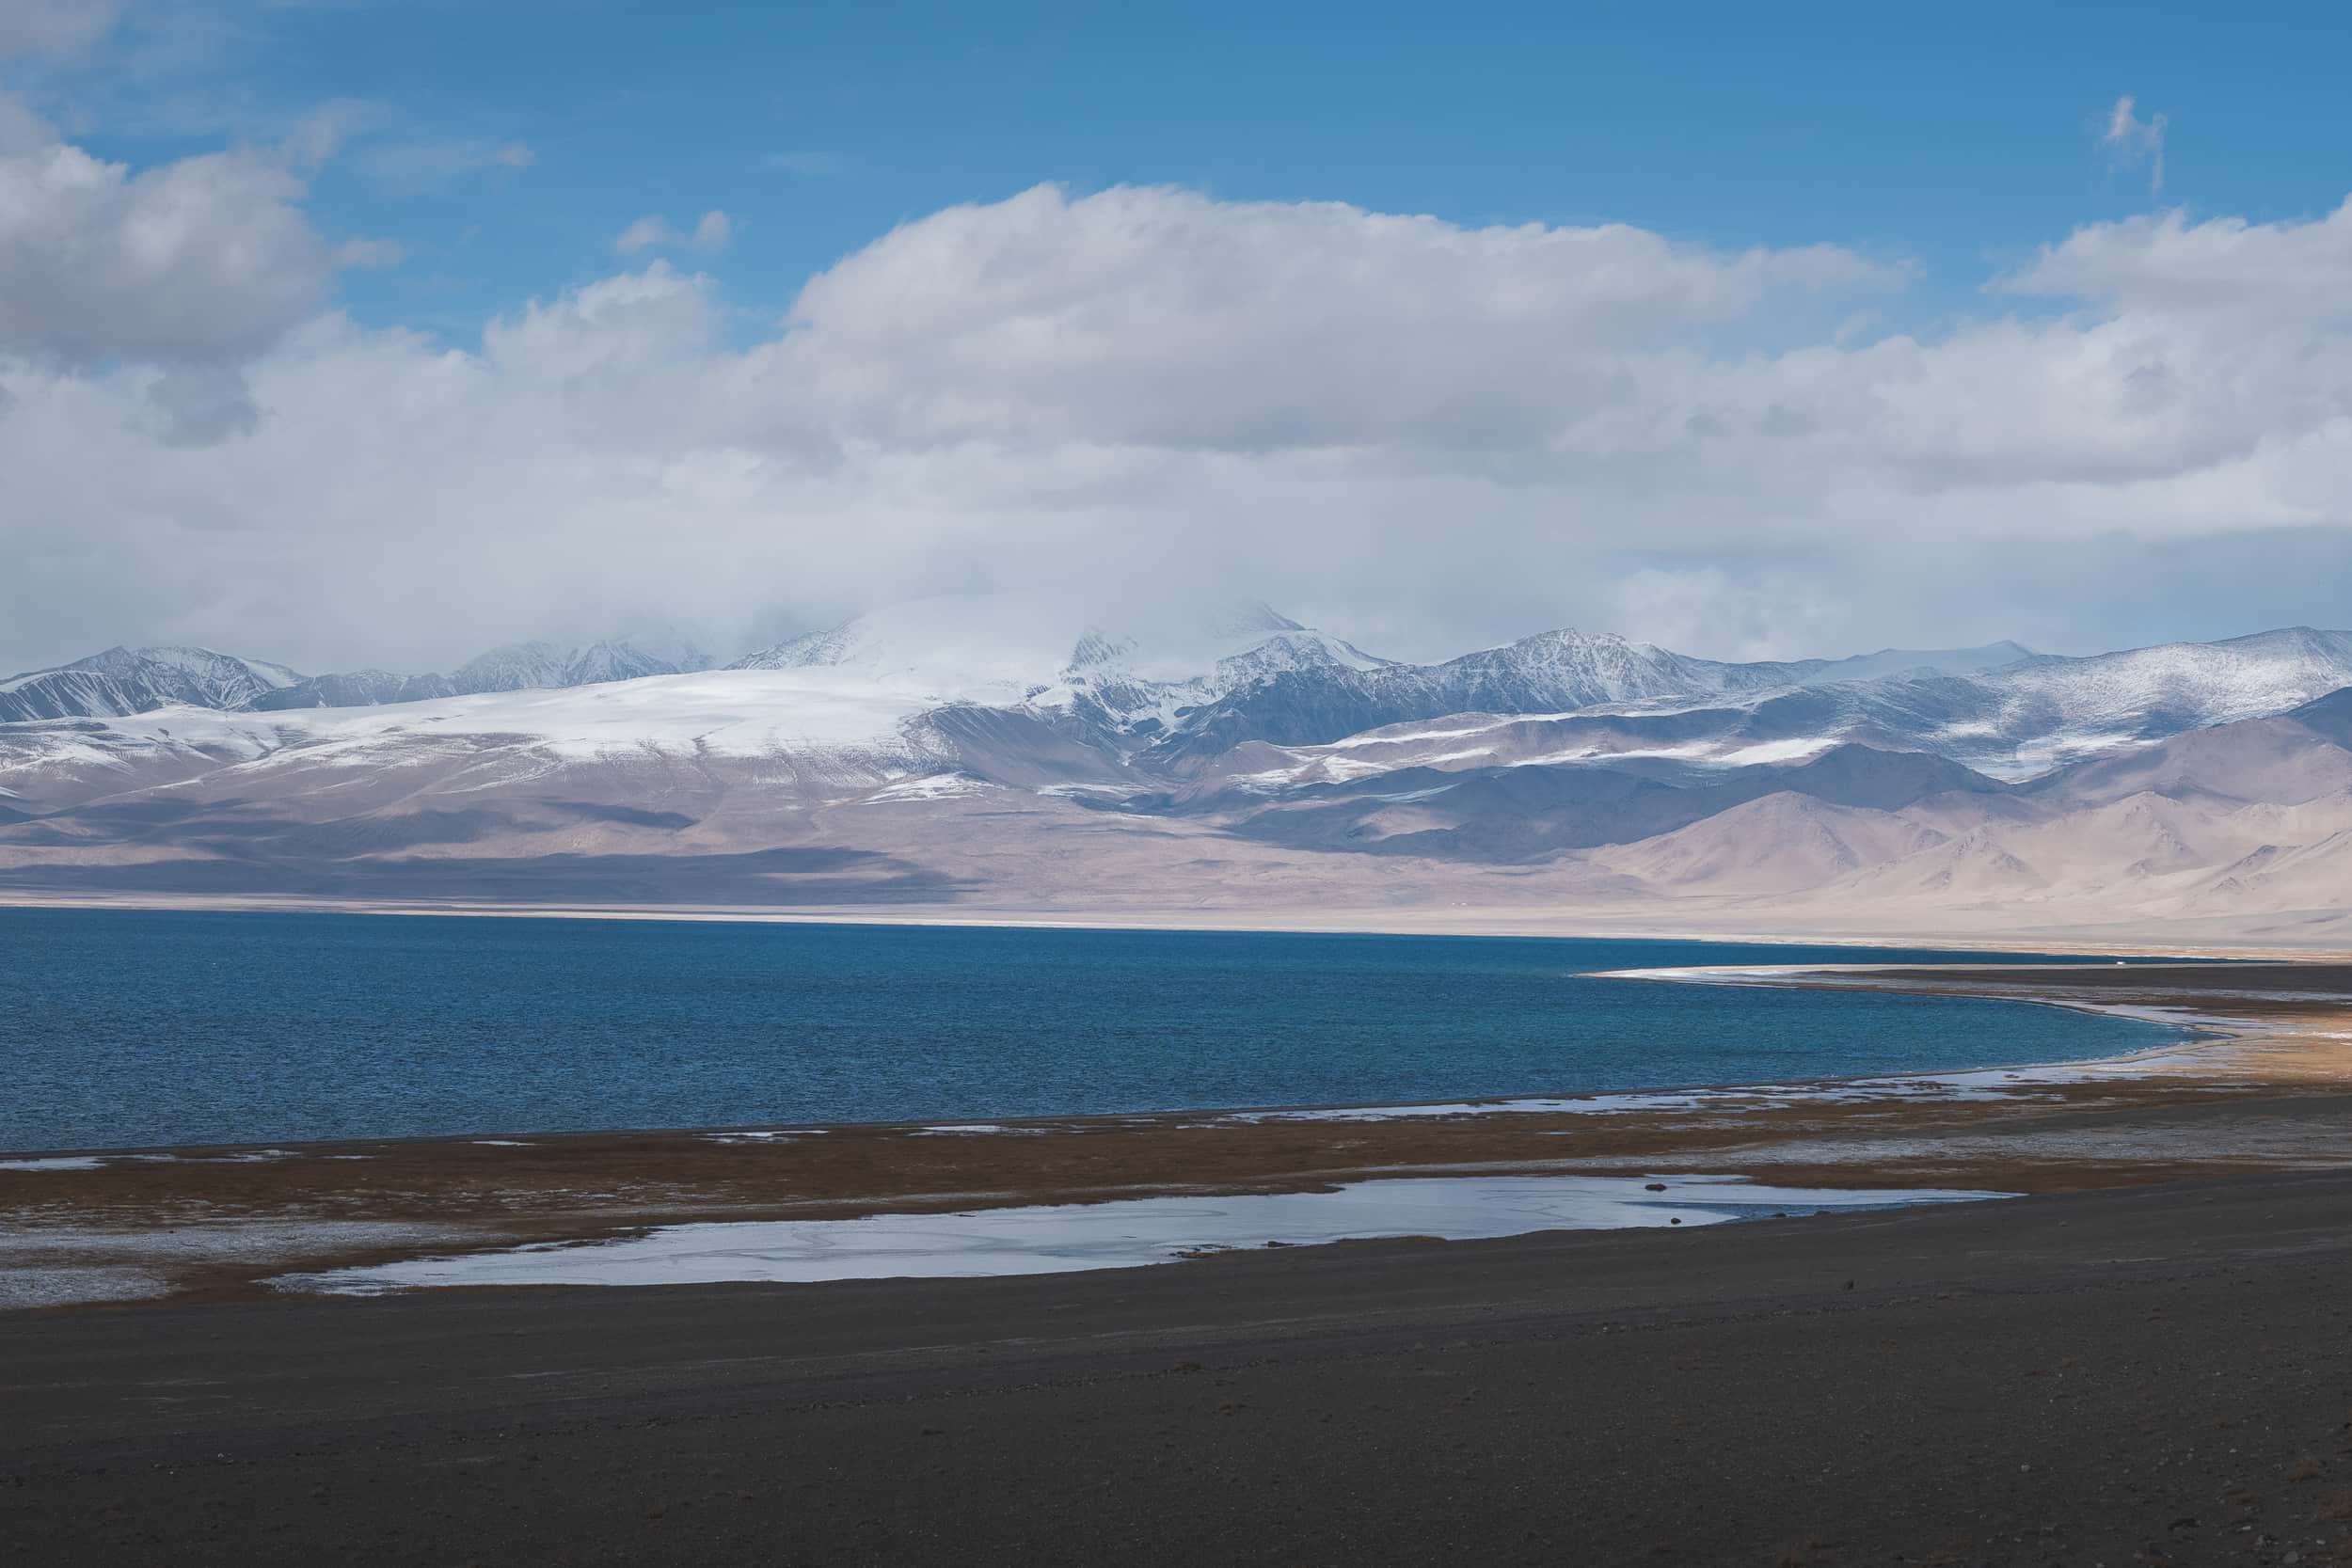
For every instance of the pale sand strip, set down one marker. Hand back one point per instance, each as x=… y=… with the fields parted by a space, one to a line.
x=1989 y=931
x=2283 y=1036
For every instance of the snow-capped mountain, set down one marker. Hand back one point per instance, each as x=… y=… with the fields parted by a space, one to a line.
x=133 y=680
x=1567 y=696
x=1198 y=697
x=1052 y=655
x=531 y=666
x=514 y=667
x=1555 y=673
x=984 y=754
x=2161 y=690
x=353 y=689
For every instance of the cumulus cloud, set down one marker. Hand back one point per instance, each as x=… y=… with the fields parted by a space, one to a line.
x=654 y=232
x=195 y=405
x=2131 y=140
x=1164 y=318
x=207 y=258
x=1424 y=434
x=2223 y=268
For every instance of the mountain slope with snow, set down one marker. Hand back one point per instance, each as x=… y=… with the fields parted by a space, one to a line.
x=1563 y=695
x=1551 y=674
x=131 y=680
x=514 y=667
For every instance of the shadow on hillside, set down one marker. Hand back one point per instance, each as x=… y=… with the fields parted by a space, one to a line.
x=779 y=876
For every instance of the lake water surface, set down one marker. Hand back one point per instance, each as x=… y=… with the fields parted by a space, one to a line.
x=129 y=1028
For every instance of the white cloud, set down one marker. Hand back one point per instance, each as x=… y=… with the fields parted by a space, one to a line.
x=1162 y=317
x=323 y=132
x=610 y=334
x=2220 y=269
x=202 y=258
x=52 y=26
x=644 y=235
x=415 y=167
x=370 y=253
x=1424 y=435
x=653 y=232
x=2132 y=140
x=197 y=405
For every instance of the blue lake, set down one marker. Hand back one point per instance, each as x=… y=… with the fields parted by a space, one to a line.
x=126 y=1028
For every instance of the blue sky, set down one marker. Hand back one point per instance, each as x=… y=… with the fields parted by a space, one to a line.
x=348 y=333
x=1957 y=137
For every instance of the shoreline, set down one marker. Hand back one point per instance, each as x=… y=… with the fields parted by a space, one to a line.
x=1488 y=922
x=2267 y=1090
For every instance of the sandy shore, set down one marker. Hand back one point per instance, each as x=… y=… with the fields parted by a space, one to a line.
x=2267 y=1087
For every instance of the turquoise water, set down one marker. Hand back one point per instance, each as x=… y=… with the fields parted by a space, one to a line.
x=124 y=1028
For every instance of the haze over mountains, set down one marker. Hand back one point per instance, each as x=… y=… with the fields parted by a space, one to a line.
x=1012 y=755
x=135 y=680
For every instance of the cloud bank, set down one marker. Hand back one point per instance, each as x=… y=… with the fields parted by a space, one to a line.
x=1421 y=434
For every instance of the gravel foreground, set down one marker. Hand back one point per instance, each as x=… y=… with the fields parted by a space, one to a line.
x=2152 y=1374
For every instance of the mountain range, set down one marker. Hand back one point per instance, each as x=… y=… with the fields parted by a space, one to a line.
x=1014 y=755
x=123 y=681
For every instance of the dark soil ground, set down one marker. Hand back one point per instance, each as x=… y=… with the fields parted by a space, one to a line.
x=2156 y=1374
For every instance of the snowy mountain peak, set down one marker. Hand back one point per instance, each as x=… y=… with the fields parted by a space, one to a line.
x=1577 y=669
x=1096 y=651
x=611 y=662
x=1021 y=647
x=133 y=680
x=514 y=667
x=808 y=650
x=1297 y=649
x=1247 y=618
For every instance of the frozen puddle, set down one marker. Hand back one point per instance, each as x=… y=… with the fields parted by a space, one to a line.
x=59 y=1265
x=1063 y=1238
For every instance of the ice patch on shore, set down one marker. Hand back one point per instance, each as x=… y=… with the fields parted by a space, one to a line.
x=59 y=1265
x=1128 y=1233
x=54 y=1162
x=782 y=1134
